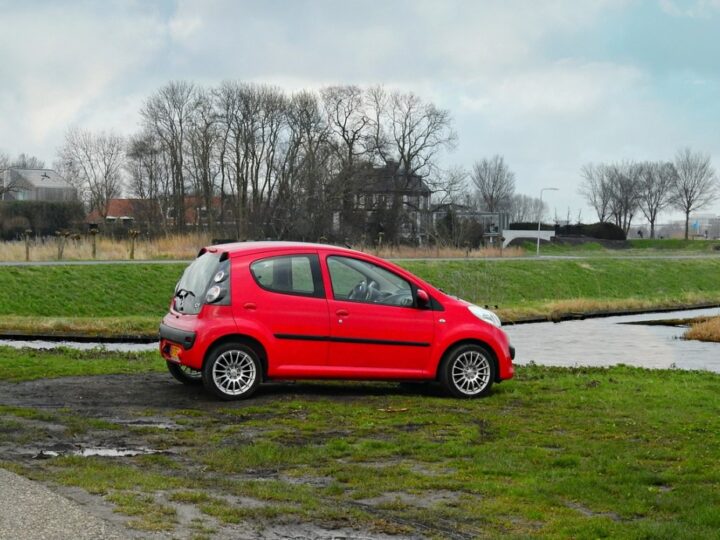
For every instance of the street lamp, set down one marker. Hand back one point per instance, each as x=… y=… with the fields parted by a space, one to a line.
x=540 y=215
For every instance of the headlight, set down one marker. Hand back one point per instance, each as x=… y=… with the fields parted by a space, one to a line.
x=485 y=315
x=214 y=293
x=219 y=276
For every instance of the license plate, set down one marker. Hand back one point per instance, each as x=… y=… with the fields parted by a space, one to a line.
x=174 y=352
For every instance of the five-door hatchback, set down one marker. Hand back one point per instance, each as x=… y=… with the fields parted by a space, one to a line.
x=250 y=312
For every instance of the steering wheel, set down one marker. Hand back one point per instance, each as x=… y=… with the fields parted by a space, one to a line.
x=372 y=290
x=359 y=291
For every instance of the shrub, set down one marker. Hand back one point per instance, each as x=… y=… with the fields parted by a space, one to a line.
x=529 y=226
x=602 y=231
x=43 y=217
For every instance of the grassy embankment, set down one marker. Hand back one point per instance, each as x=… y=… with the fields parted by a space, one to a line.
x=555 y=453
x=645 y=247
x=131 y=299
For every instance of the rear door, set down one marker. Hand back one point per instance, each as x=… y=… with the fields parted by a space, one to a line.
x=376 y=331
x=288 y=299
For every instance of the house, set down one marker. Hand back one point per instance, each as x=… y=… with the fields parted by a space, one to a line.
x=126 y=212
x=388 y=200
x=36 y=185
x=147 y=213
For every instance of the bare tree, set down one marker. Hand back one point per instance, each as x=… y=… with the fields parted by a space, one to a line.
x=495 y=183
x=203 y=135
x=695 y=185
x=347 y=121
x=149 y=177
x=26 y=161
x=623 y=180
x=166 y=114
x=94 y=162
x=596 y=189
x=6 y=186
x=656 y=180
x=418 y=131
x=524 y=209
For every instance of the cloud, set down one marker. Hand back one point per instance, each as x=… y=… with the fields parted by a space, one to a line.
x=549 y=84
x=564 y=87
x=59 y=60
x=700 y=9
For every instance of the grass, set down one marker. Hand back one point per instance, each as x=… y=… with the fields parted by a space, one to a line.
x=558 y=453
x=522 y=288
x=675 y=244
x=131 y=299
x=28 y=364
x=707 y=330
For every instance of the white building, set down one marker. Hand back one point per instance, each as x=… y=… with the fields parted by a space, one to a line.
x=36 y=185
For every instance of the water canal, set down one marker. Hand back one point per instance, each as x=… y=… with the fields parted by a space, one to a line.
x=591 y=342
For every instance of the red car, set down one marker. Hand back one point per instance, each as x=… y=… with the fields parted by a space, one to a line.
x=250 y=312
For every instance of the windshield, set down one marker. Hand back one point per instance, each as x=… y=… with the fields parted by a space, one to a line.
x=190 y=290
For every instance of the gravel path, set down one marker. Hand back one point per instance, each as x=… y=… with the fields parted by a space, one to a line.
x=30 y=511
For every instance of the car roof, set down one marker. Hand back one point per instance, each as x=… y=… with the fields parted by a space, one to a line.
x=243 y=248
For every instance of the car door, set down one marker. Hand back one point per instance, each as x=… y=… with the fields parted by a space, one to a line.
x=375 y=329
x=288 y=299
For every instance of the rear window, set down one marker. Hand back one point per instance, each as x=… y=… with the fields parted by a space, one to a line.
x=296 y=274
x=190 y=290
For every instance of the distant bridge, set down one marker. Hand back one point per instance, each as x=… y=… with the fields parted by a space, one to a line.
x=510 y=235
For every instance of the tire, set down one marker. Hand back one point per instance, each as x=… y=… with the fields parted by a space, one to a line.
x=232 y=371
x=468 y=371
x=185 y=374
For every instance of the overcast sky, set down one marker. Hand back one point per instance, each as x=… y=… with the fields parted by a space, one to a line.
x=550 y=85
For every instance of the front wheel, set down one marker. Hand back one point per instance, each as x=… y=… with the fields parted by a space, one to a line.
x=232 y=371
x=468 y=371
x=185 y=374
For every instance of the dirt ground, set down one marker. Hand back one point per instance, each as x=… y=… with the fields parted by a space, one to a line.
x=133 y=414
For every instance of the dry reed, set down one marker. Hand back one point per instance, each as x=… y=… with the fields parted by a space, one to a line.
x=186 y=246
x=707 y=330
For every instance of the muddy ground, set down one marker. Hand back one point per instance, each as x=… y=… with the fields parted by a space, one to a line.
x=127 y=415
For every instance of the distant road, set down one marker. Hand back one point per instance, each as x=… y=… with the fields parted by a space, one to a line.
x=402 y=259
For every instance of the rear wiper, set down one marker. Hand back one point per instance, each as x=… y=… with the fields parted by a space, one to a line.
x=183 y=293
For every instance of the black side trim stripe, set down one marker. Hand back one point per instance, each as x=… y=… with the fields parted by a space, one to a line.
x=302 y=337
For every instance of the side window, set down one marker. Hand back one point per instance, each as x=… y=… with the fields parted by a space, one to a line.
x=295 y=274
x=359 y=281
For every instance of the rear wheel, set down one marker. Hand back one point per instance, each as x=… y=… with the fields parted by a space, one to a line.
x=185 y=374
x=232 y=371
x=468 y=371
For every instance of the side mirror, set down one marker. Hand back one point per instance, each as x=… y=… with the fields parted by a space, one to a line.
x=423 y=300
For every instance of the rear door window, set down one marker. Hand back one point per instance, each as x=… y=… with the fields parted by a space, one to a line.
x=290 y=274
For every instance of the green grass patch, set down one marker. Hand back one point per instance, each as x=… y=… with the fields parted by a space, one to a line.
x=30 y=364
x=675 y=244
x=149 y=515
x=538 y=286
x=585 y=452
x=131 y=299
x=112 y=290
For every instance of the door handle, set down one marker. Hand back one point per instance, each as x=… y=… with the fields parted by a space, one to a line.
x=250 y=306
x=342 y=313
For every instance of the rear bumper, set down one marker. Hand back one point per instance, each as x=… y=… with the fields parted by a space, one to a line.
x=176 y=335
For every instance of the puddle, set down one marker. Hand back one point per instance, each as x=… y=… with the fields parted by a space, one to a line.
x=79 y=345
x=148 y=423
x=114 y=452
x=96 y=451
x=635 y=340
